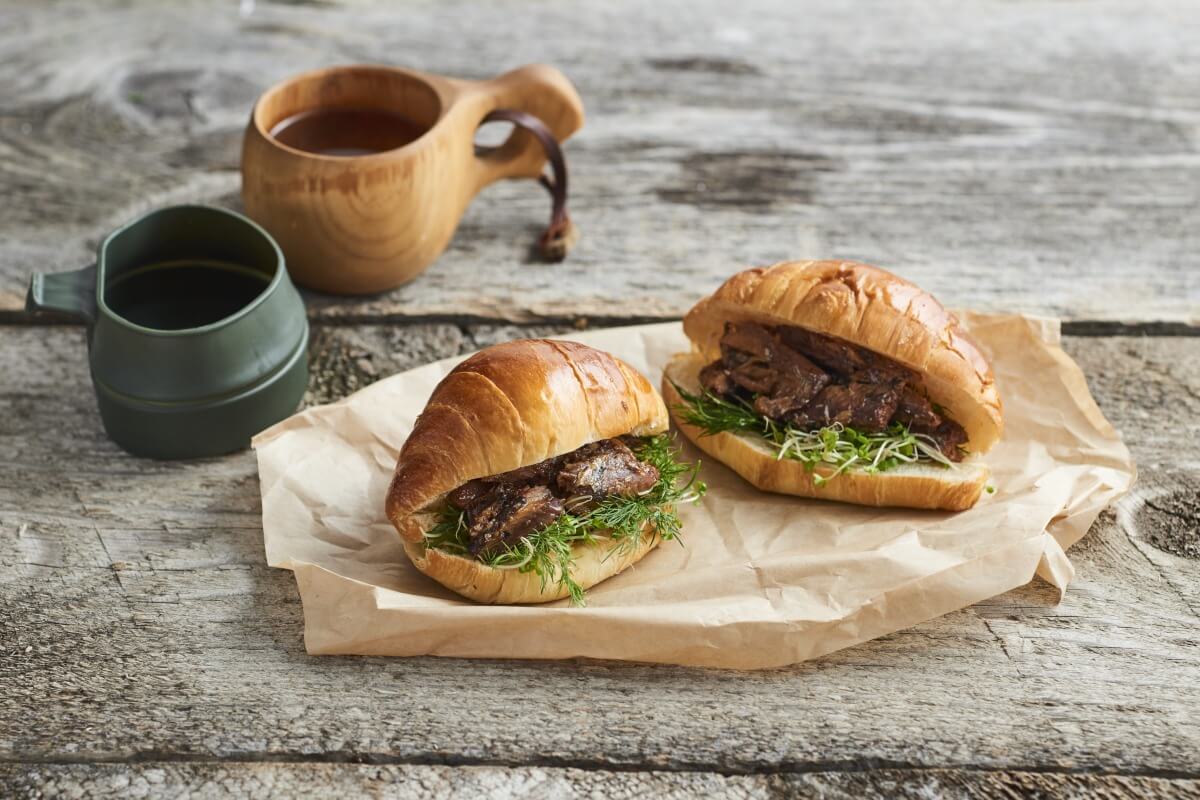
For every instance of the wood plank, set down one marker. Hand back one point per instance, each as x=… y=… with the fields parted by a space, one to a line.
x=255 y=780
x=141 y=623
x=1033 y=156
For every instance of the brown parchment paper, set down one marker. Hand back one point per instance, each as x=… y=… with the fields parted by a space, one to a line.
x=761 y=581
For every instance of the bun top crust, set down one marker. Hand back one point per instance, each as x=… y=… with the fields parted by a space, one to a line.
x=869 y=307
x=513 y=405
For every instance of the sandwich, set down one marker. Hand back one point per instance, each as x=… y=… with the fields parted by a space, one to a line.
x=837 y=380
x=537 y=469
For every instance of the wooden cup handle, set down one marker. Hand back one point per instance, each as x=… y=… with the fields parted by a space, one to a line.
x=546 y=110
x=558 y=238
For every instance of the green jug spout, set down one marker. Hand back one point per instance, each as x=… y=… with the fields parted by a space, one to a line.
x=72 y=294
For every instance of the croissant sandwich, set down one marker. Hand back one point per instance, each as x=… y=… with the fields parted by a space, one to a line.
x=837 y=380
x=537 y=469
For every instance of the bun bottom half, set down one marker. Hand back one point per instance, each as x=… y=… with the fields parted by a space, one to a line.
x=594 y=562
x=907 y=486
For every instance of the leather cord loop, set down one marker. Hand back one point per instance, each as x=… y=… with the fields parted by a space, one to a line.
x=561 y=235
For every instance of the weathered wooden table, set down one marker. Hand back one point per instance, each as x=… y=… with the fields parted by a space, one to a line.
x=1033 y=156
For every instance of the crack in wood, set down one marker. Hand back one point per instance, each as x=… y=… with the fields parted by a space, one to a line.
x=709 y=64
x=413 y=782
x=587 y=764
x=1109 y=328
x=999 y=639
x=336 y=316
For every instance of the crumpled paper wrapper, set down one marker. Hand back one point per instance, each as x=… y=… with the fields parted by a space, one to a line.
x=762 y=580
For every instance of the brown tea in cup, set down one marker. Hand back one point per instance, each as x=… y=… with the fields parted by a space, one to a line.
x=347 y=131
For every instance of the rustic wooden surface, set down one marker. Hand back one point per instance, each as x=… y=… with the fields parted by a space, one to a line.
x=1022 y=155
x=142 y=625
x=1038 y=156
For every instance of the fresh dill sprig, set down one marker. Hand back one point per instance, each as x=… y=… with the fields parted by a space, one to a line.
x=836 y=448
x=713 y=415
x=548 y=552
x=449 y=533
x=624 y=519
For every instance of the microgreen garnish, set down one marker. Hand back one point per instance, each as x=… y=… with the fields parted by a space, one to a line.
x=623 y=521
x=836 y=446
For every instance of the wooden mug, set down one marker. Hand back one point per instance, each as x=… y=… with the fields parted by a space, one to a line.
x=366 y=223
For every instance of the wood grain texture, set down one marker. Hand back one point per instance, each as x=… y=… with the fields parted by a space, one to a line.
x=140 y=623
x=306 y=780
x=1038 y=156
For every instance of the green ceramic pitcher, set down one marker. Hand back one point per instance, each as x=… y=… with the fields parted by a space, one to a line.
x=197 y=338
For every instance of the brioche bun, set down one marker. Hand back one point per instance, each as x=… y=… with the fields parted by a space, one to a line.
x=510 y=406
x=871 y=308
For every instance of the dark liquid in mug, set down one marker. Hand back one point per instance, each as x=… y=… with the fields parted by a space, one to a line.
x=173 y=295
x=346 y=132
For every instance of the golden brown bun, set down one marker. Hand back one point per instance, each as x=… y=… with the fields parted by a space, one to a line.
x=869 y=307
x=483 y=584
x=909 y=486
x=506 y=407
